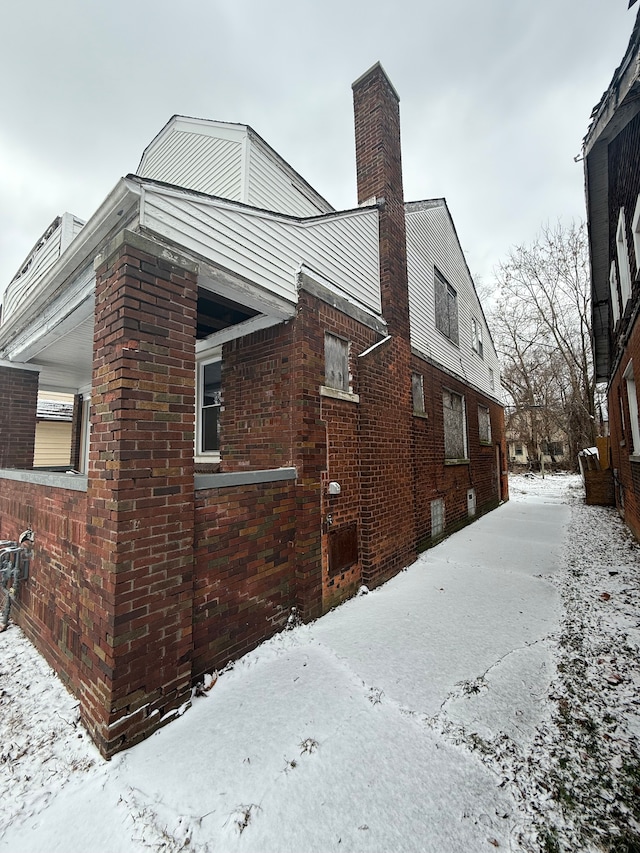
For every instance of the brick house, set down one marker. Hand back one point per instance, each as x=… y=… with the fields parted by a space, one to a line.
x=612 y=177
x=275 y=403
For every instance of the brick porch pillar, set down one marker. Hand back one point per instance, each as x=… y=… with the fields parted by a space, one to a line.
x=18 y=405
x=137 y=603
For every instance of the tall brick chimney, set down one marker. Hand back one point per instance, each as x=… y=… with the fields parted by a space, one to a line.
x=379 y=173
x=387 y=522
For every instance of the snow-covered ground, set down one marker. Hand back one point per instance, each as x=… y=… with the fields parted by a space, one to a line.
x=487 y=697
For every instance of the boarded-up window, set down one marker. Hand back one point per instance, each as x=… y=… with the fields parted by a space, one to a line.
x=455 y=433
x=484 y=424
x=446 y=307
x=336 y=362
x=343 y=548
x=437 y=517
x=417 y=392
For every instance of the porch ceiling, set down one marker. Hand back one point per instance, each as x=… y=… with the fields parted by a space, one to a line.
x=65 y=362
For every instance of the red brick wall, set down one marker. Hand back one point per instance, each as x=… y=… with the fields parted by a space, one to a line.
x=19 y=395
x=256 y=420
x=628 y=471
x=624 y=183
x=138 y=601
x=432 y=478
x=244 y=569
x=48 y=605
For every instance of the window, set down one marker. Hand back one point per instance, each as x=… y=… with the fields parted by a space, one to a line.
x=336 y=362
x=492 y=381
x=613 y=288
x=85 y=430
x=417 y=392
x=519 y=450
x=552 y=448
x=446 y=307
x=437 y=517
x=635 y=230
x=455 y=431
x=484 y=424
x=210 y=398
x=632 y=397
x=623 y=259
x=476 y=337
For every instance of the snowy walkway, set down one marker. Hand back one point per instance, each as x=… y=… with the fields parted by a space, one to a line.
x=420 y=717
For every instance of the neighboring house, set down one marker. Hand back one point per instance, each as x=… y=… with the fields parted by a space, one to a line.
x=521 y=455
x=54 y=416
x=612 y=171
x=273 y=406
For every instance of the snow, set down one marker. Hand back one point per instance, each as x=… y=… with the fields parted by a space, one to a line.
x=487 y=697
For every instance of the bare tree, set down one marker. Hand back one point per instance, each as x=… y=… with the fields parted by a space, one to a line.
x=541 y=321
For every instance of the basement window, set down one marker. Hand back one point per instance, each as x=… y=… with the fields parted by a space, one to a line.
x=437 y=517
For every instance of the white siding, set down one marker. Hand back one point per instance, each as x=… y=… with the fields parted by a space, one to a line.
x=432 y=242
x=197 y=161
x=53 y=443
x=229 y=161
x=42 y=258
x=270 y=187
x=269 y=250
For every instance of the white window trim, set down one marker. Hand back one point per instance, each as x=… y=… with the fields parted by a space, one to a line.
x=476 y=337
x=613 y=288
x=199 y=455
x=623 y=259
x=635 y=230
x=632 y=399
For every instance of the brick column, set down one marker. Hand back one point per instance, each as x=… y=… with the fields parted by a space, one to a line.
x=137 y=603
x=310 y=458
x=18 y=405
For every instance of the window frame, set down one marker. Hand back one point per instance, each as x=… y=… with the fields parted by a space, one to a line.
x=614 y=292
x=484 y=441
x=333 y=339
x=635 y=231
x=200 y=454
x=632 y=405
x=622 y=251
x=417 y=389
x=449 y=299
x=457 y=459
x=477 y=344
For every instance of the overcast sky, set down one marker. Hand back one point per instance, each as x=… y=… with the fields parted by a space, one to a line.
x=495 y=98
